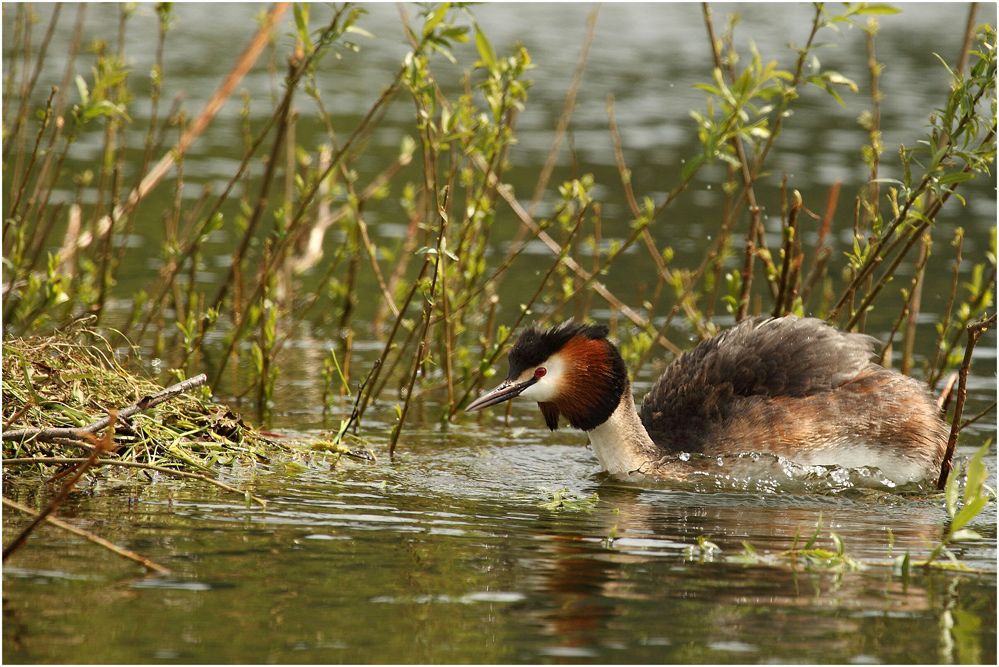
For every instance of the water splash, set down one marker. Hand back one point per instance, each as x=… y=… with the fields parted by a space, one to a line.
x=764 y=473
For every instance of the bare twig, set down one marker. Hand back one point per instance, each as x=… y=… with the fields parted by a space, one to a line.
x=212 y=107
x=972 y=420
x=124 y=553
x=587 y=277
x=105 y=444
x=747 y=267
x=567 y=109
x=969 y=38
x=786 y=287
x=943 y=401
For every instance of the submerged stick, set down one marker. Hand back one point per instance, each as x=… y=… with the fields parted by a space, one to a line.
x=144 y=403
x=55 y=460
x=96 y=539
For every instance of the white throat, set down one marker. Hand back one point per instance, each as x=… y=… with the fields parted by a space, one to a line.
x=621 y=443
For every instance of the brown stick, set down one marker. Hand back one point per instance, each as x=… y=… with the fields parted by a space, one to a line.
x=975 y=332
x=212 y=107
x=567 y=110
x=972 y=420
x=943 y=401
x=969 y=37
x=747 y=267
x=588 y=278
x=124 y=553
x=144 y=403
x=105 y=444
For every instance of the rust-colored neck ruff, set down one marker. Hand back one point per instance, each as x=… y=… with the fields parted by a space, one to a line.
x=591 y=385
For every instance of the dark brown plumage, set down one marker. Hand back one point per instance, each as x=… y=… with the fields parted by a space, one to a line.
x=790 y=386
x=748 y=365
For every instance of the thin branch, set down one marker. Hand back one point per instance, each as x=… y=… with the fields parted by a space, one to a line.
x=972 y=420
x=105 y=444
x=212 y=107
x=124 y=553
x=975 y=332
x=567 y=109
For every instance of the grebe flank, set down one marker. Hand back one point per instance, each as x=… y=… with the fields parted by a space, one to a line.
x=791 y=386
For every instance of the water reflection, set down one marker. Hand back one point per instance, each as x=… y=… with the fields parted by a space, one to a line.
x=446 y=555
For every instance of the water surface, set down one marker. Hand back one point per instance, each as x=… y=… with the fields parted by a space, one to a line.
x=449 y=554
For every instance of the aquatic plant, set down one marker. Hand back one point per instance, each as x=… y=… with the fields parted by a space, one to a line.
x=569 y=501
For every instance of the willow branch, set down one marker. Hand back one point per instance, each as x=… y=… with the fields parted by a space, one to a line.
x=975 y=332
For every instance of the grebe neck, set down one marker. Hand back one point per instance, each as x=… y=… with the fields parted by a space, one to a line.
x=621 y=443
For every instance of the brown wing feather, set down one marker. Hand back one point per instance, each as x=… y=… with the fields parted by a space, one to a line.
x=754 y=361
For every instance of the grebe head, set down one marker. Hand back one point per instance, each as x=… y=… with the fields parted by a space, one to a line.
x=571 y=370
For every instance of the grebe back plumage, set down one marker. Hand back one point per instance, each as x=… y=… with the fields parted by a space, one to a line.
x=791 y=386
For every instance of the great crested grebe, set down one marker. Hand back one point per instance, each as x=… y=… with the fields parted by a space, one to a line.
x=790 y=386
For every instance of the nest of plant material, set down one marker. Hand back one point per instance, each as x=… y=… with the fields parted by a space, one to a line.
x=58 y=394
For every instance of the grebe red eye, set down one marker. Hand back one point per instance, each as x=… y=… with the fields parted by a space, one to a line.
x=539 y=372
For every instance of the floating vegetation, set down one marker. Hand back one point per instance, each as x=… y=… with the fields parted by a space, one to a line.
x=57 y=394
x=964 y=502
x=564 y=499
x=810 y=556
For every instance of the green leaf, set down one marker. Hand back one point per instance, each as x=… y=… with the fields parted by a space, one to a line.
x=436 y=17
x=81 y=87
x=964 y=535
x=951 y=491
x=838 y=541
x=301 y=11
x=690 y=167
x=359 y=31
x=905 y=566
x=956 y=177
x=877 y=9
x=977 y=473
x=967 y=513
x=838 y=79
x=815 y=535
x=485 y=48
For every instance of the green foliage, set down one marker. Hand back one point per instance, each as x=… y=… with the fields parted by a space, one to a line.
x=439 y=319
x=809 y=556
x=704 y=551
x=962 y=507
x=566 y=500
